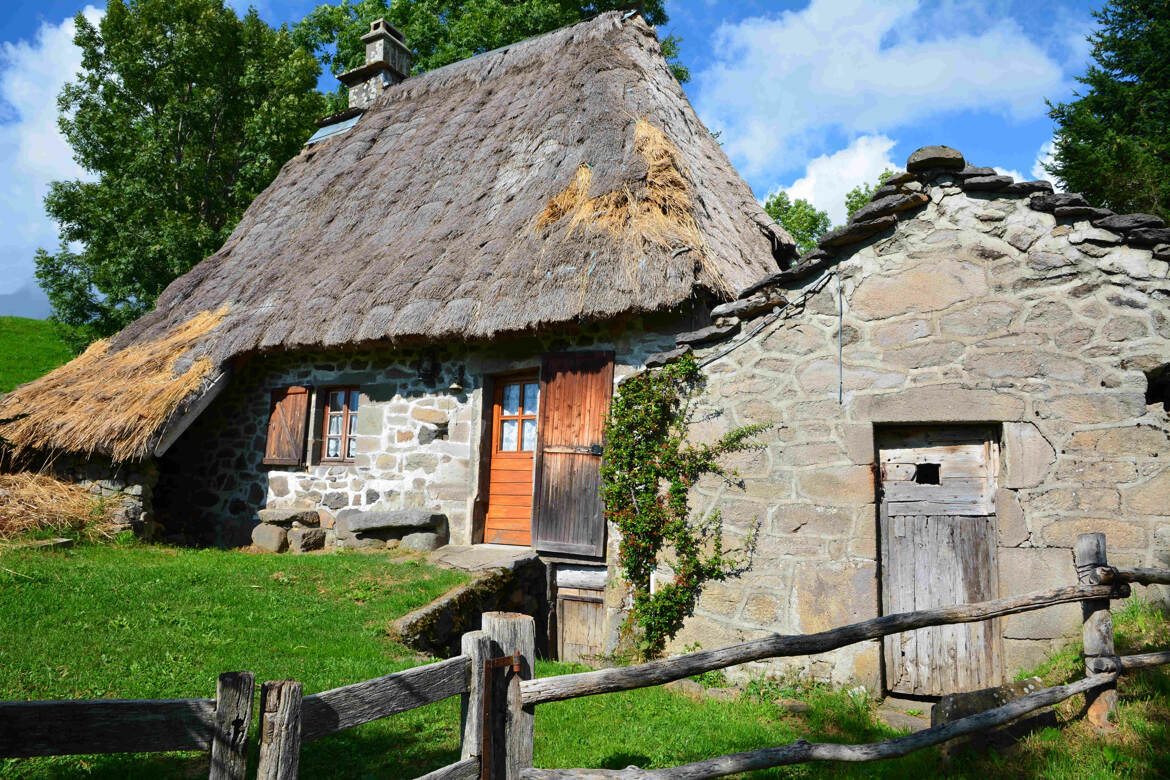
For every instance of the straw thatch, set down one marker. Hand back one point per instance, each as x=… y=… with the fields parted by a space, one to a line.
x=564 y=179
x=30 y=501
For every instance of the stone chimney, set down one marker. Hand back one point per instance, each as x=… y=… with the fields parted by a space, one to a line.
x=387 y=62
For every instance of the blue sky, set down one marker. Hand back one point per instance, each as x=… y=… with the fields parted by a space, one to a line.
x=811 y=97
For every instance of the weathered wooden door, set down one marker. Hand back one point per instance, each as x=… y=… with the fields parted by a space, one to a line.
x=938 y=536
x=576 y=388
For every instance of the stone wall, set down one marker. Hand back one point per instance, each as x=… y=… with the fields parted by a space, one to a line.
x=131 y=485
x=976 y=308
x=418 y=432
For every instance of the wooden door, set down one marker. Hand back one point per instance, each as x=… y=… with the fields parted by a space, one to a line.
x=938 y=537
x=581 y=625
x=576 y=388
x=514 y=434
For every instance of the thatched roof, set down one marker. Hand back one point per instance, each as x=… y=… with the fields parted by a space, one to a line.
x=562 y=179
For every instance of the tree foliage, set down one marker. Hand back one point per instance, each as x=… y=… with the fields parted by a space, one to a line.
x=647 y=474
x=182 y=113
x=440 y=32
x=863 y=193
x=800 y=218
x=1112 y=142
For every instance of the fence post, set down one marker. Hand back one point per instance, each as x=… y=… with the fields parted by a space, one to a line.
x=233 y=718
x=511 y=723
x=280 y=730
x=1097 y=629
x=477 y=646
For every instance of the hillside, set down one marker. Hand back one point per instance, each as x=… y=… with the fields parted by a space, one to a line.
x=28 y=349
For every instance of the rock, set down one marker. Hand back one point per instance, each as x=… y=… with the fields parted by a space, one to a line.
x=688 y=688
x=273 y=538
x=890 y=204
x=1148 y=236
x=883 y=191
x=424 y=541
x=707 y=334
x=901 y=721
x=1051 y=202
x=659 y=359
x=935 y=157
x=975 y=171
x=361 y=542
x=746 y=307
x=954 y=706
x=306 y=539
x=288 y=516
x=1027 y=188
x=808 y=263
x=1162 y=252
x=1120 y=223
x=899 y=179
x=987 y=183
x=1080 y=212
x=723 y=694
x=352 y=521
x=795 y=706
x=393 y=544
x=335 y=500
x=857 y=231
x=432 y=416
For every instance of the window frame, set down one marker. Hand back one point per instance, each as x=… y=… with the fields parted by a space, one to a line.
x=498 y=417
x=346 y=414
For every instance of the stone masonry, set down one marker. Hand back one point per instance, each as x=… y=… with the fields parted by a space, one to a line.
x=976 y=307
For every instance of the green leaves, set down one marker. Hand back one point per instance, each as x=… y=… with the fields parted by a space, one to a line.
x=800 y=218
x=1112 y=142
x=184 y=112
x=647 y=474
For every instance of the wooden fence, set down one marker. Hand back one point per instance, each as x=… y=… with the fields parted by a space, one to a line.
x=493 y=677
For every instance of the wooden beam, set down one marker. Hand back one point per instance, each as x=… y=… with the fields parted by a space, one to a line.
x=62 y=728
x=1127 y=663
x=467 y=769
x=511 y=633
x=570 y=686
x=342 y=708
x=800 y=752
x=1097 y=629
x=280 y=730
x=477 y=647
x=233 y=718
x=1143 y=576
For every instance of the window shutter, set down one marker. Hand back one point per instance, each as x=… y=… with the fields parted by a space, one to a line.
x=575 y=390
x=286 y=427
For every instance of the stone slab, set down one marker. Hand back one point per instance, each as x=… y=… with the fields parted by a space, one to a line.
x=306 y=539
x=929 y=157
x=1028 y=455
x=352 y=521
x=273 y=538
x=424 y=541
x=289 y=515
x=954 y=706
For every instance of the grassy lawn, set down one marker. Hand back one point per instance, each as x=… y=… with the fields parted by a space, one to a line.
x=152 y=622
x=30 y=348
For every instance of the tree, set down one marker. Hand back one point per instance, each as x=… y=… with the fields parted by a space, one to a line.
x=440 y=32
x=1112 y=143
x=183 y=112
x=800 y=218
x=863 y=193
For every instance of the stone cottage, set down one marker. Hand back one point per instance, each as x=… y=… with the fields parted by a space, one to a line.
x=414 y=333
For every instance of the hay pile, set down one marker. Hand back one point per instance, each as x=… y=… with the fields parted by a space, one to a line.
x=37 y=502
x=114 y=402
x=659 y=212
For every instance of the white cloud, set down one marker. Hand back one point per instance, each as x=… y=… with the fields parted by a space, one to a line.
x=827 y=178
x=32 y=150
x=781 y=87
x=1044 y=157
x=1010 y=172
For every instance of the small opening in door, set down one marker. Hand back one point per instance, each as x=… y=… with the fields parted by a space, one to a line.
x=927 y=474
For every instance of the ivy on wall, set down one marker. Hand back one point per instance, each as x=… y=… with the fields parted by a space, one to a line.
x=647 y=473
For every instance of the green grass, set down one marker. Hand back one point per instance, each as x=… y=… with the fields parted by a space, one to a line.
x=143 y=622
x=28 y=349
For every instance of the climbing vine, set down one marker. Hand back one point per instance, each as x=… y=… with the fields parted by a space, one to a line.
x=647 y=473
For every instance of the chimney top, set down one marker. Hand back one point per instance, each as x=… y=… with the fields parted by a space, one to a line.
x=387 y=62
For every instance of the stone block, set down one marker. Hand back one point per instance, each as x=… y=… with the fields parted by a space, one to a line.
x=335 y=500
x=1132 y=440
x=1074 y=499
x=1094 y=408
x=831 y=595
x=1119 y=534
x=278 y=485
x=350 y=521
x=1096 y=472
x=939 y=285
x=928 y=157
x=814 y=520
x=288 y=515
x=857 y=438
x=421 y=461
x=954 y=706
x=306 y=539
x=426 y=415
x=1028 y=457
x=1013 y=529
x=1026 y=569
x=838 y=485
x=369 y=422
x=273 y=538
x=326 y=519
x=761 y=608
x=424 y=541
x=939 y=403
x=1152 y=497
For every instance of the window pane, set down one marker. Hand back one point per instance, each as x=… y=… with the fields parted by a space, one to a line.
x=530 y=398
x=336 y=400
x=334 y=424
x=508 y=435
x=333 y=448
x=529 y=433
x=511 y=399
x=351 y=448
x=353 y=400
x=352 y=424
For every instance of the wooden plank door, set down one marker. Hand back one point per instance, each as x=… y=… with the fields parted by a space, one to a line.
x=576 y=388
x=516 y=404
x=938 y=537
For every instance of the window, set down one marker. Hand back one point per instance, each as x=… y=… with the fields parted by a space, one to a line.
x=339 y=440
x=517 y=410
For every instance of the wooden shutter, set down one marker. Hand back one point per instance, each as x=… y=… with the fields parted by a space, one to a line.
x=575 y=390
x=286 y=427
